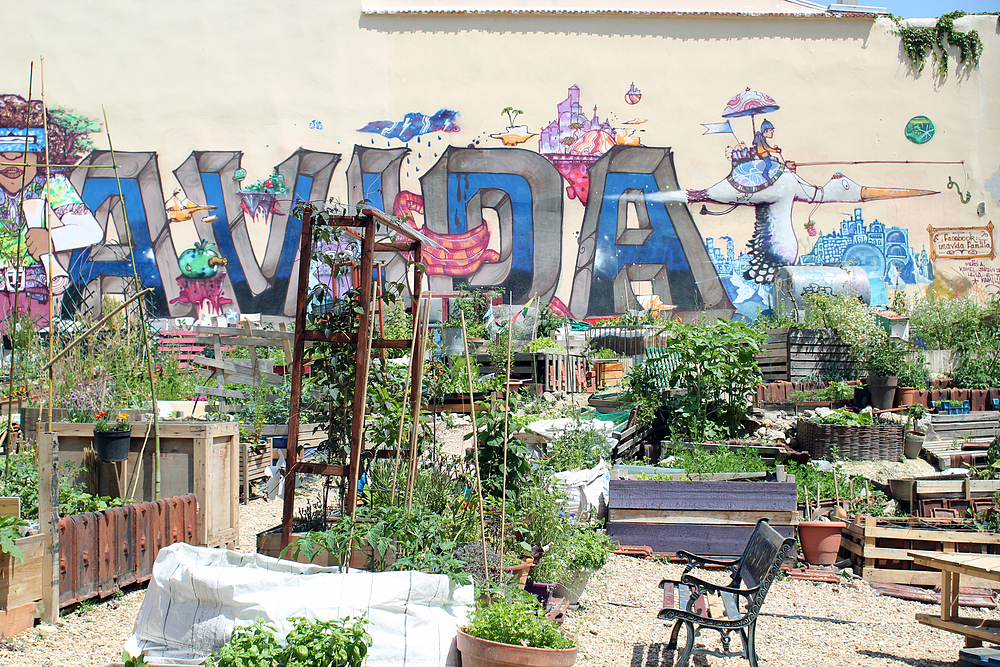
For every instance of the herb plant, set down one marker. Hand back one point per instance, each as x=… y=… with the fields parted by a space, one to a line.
x=577 y=447
x=581 y=549
x=515 y=617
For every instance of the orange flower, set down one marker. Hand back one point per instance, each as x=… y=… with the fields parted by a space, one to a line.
x=123 y=417
x=101 y=415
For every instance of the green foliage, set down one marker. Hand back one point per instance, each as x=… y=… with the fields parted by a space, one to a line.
x=576 y=447
x=340 y=642
x=887 y=359
x=943 y=323
x=512 y=616
x=10 y=531
x=979 y=360
x=538 y=518
x=716 y=364
x=490 y=430
x=474 y=304
x=134 y=660
x=917 y=41
x=581 y=548
x=844 y=418
x=698 y=460
x=543 y=343
x=851 y=318
x=640 y=389
x=548 y=321
x=914 y=372
x=835 y=391
x=22 y=481
x=603 y=353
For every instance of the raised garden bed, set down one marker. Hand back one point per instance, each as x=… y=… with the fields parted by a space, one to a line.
x=878 y=548
x=269 y=544
x=714 y=518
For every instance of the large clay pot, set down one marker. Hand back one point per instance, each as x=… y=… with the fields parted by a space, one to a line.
x=904 y=396
x=478 y=652
x=571 y=585
x=112 y=446
x=883 y=391
x=912 y=445
x=820 y=541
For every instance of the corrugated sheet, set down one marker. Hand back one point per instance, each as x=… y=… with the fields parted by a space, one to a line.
x=101 y=552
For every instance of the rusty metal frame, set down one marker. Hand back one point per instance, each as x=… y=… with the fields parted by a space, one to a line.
x=368 y=221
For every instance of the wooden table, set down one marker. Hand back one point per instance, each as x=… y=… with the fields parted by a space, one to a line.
x=953 y=566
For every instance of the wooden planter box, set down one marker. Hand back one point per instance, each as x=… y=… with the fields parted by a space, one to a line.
x=878 y=548
x=714 y=518
x=254 y=460
x=21 y=585
x=195 y=457
x=798 y=354
x=609 y=372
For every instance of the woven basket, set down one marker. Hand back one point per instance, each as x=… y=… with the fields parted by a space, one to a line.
x=876 y=442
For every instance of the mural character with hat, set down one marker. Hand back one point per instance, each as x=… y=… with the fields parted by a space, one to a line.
x=761 y=146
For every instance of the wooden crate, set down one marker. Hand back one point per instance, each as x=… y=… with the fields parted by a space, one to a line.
x=797 y=354
x=609 y=372
x=254 y=460
x=195 y=457
x=878 y=548
x=21 y=585
x=974 y=426
x=713 y=518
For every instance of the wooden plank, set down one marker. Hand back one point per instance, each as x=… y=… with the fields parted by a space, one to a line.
x=201 y=486
x=228 y=393
x=21 y=581
x=760 y=496
x=707 y=539
x=10 y=506
x=688 y=516
x=976 y=628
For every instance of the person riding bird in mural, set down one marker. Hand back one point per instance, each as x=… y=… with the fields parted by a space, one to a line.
x=25 y=188
x=762 y=148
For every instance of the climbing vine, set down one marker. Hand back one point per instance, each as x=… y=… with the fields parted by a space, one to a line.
x=917 y=41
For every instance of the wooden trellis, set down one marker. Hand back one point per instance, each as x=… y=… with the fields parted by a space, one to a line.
x=368 y=222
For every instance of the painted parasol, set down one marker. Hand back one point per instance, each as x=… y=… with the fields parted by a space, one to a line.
x=749 y=103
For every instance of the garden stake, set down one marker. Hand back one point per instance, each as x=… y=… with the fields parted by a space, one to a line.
x=475 y=448
x=839 y=511
x=817 y=498
x=402 y=406
x=142 y=316
x=20 y=222
x=417 y=399
x=48 y=227
x=506 y=421
x=356 y=463
x=850 y=481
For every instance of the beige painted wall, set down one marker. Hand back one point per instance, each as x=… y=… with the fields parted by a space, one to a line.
x=182 y=76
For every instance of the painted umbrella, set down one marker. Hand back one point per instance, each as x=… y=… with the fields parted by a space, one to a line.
x=749 y=103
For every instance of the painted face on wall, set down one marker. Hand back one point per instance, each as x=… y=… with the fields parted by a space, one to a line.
x=11 y=176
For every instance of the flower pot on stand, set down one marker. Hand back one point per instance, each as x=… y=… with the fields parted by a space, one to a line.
x=912 y=445
x=112 y=446
x=478 y=652
x=820 y=541
x=904 y=396
x=883 y=390
x=571 y=585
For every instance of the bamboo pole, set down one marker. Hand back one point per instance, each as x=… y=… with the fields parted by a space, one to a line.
x=406 y=392
x=17 y=273
x=417 y=400
x=48 y=227
x=142 y=315
x=506 y=434
x=48 y=515
x=475 y=447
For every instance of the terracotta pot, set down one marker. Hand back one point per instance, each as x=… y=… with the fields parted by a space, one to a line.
x=883 y=390
x=572 y=585
x=521 y=572
x=820 y=541
x=478 y=652
x=904 y=396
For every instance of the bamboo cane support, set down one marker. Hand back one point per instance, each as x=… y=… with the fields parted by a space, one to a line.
x=475 y=448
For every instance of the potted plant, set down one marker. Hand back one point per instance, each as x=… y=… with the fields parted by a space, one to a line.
x=913 y=376
x=509 y=627
x=112 y=438
x=572 y=559
x=913 y=442
x=885 y=363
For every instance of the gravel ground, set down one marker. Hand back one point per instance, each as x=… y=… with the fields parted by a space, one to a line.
x=803 y=623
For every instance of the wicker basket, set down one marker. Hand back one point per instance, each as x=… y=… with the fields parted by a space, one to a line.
x=876 y=442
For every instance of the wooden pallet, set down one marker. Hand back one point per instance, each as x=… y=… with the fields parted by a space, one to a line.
x=945 y=454
x=878 y=548
x=974 y=426
x=797 y=354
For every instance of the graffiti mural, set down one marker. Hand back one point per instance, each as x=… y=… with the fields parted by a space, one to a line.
x=589 y=219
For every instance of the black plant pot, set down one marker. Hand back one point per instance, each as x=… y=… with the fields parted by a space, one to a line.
x=112 y=445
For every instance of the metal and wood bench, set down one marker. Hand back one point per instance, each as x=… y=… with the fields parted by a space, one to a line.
x=728 y=609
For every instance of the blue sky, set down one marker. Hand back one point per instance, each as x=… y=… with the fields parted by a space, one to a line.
x=910 y=9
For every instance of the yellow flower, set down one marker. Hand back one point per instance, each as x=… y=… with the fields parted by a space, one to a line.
x=123 y=417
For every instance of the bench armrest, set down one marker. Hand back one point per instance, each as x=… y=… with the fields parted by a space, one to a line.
x=700 y=586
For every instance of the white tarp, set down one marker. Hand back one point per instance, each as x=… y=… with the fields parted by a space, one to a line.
x=586 y=491
x=196 y=597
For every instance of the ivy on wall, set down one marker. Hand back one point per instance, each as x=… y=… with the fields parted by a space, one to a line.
x=918 y=41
